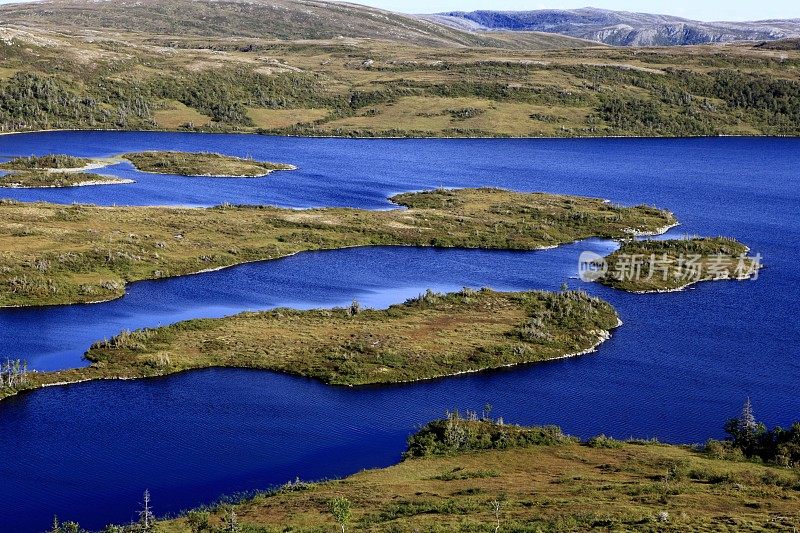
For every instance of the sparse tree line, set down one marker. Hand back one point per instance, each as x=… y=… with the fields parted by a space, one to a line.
x=13 y=374
x=751 y=439
x=198 y=520
x=747 y=439
x=680 y=102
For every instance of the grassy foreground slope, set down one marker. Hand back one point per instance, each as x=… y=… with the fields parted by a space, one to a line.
x=153 y=77
x=530 y=479
x=430 y=336
x=52 y=254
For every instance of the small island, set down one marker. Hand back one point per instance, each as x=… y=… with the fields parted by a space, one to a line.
x=202 y=164
x=54 y=171
x=47 y=180
x=46 y=162
x=431 y=336
x=674 y=264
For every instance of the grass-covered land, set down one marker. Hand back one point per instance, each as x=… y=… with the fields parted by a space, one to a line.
x=430 y=336
x=354 y=87
x=426 y=337
x=54 y=170
x=479 y=475
x=44 y=179
x=50 y=161
x=669 y=265
x=51 y=254
x=201 y=164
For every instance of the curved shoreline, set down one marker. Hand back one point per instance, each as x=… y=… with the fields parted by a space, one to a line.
x=90 y=183
x=411 y=137
x=381 y=231
x=292 y=254
x=602 y=337
x=266 y=173
x=618 y=283
x=95 y=163
x=691 y=284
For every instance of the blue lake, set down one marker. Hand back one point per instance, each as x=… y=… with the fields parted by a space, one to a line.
x=680 y=365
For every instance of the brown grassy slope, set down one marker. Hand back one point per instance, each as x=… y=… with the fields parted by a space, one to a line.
x=357 y=86
x=277 y=19
x=563 y=488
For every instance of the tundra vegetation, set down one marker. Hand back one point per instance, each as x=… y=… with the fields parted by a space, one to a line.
x=673 y=264
x=430 y=336
x=53 y=254
x=44 y=179
x=473 y=473
x=53 y=76
x=201 y=164
x=52 y=170
x=50 y=161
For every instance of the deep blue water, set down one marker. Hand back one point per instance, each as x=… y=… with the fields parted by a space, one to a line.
x=680 y=365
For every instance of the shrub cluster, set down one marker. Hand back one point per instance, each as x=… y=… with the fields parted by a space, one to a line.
x=752 y=439
x=455 y=434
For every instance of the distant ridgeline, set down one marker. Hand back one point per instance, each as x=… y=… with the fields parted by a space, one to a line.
x=620 y=28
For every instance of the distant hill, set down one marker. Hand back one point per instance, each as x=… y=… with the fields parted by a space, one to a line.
x=619 y=28
x=263 y=19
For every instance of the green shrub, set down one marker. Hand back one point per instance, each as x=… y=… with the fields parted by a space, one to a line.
x=455 y=434
x=601 y=441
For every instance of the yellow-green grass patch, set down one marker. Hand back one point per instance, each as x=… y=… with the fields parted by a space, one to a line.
x=180 y=115
x=284 y=118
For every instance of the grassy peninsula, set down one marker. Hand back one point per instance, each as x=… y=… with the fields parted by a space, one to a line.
x=54 y=254
x=202 y=164
x=54 y=170
x=426 y=337
x=45 y=180
x=674 y=264
x=473 y=474
x=430 y=336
